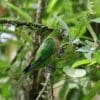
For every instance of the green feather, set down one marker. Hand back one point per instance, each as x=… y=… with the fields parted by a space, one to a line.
x=46 y=49
x=44 y=52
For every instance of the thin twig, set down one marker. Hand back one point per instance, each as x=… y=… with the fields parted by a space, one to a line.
x=44 y=87
x=51 y=86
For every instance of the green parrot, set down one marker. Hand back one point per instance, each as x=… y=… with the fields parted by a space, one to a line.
x=49 y=46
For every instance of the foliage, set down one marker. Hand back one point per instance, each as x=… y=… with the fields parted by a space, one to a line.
x=77 y=66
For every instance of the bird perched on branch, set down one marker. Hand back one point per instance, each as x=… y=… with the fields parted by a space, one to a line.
x=49 y=46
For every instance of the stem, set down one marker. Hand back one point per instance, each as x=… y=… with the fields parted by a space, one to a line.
x=45 y=85
x=93 y=34
x=40 y=11
x=51 y=86
x=37 y=79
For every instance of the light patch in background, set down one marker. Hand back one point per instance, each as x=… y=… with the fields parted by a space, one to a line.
x=4 y=80
x=10 y=49
x=4 y=37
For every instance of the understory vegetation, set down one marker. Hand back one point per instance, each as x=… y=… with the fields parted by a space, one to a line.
x=73 y=72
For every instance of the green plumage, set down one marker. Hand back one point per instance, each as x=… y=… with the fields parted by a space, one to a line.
x=47 y=48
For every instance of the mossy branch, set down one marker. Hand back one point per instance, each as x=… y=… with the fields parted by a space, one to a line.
x=33 y=26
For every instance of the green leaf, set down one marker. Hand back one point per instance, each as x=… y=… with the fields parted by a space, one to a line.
x=97 y=56
x=4 y=64
x=74 y=94
x=97 y=20
x=5 y=91
x=96 y=7
x=93 y=91
x=82 y=62
x=19 y=11
x=62 y=22
x=84 y=49
x=64 y=90
x=74 y=73
x=51 y=5
x=54 y=6
x=26 y=36
x=92 y=32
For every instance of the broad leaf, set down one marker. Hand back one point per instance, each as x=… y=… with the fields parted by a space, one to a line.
x=82 y=62
x=97 y=56
x=74 y=73
x=4 y=64
x=97 y=20
x=93 y=91
x=75 y=94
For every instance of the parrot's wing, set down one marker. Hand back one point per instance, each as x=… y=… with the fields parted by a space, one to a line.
x=46 y=49
x=44 y=52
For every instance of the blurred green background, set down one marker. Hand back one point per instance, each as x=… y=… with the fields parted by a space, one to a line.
x=77 y=76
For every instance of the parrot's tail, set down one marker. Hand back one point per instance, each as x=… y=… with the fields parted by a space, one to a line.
x=32 y=67
x=27 y=69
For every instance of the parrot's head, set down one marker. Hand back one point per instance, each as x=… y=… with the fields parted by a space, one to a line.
x=60 y=34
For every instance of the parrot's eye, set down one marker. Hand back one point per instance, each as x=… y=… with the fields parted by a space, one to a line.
x=63 y=33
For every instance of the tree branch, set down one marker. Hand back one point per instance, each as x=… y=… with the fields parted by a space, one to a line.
x=30 y=25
